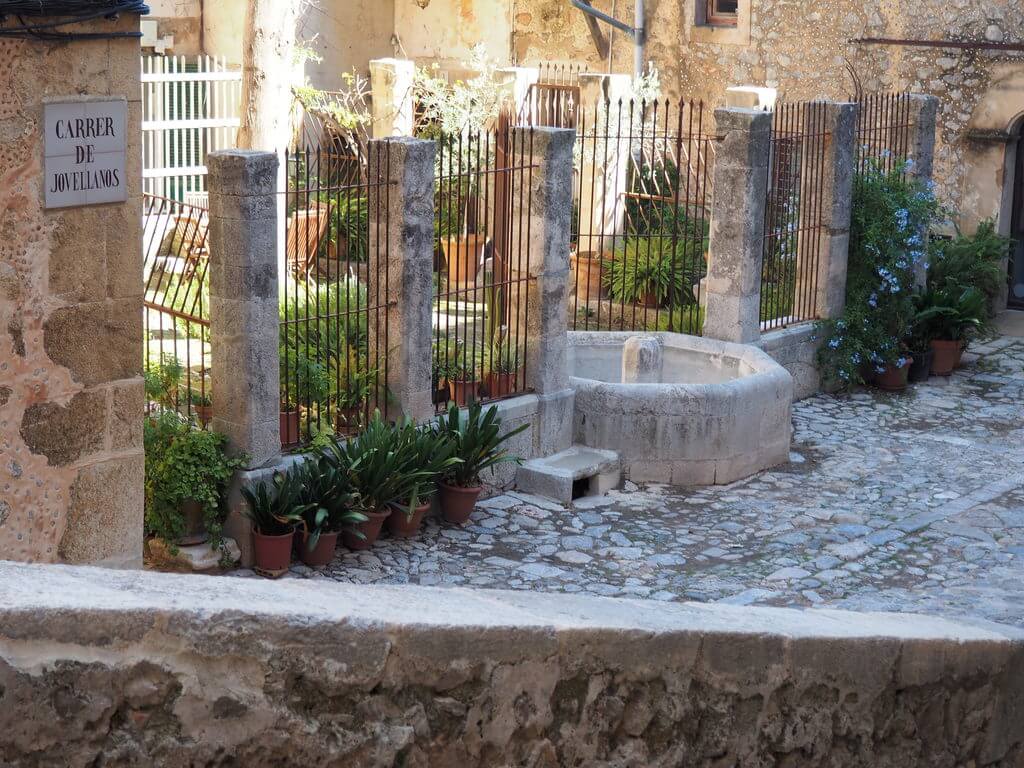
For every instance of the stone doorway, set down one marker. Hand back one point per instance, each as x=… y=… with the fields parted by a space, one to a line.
x=1016 y=146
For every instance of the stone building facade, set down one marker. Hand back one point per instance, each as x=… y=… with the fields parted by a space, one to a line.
x=71 y=395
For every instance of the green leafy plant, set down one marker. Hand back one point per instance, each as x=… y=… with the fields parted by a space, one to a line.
x=891 y=215
x=971 y=261
x=184 y=464
x=303 y=380
x=380 y=471
x=274 y=512
x=427 y=452
x=327 y=499
x=161 y=381
x=502 y=358
x=952 y=313
x=649 y=266
x=476 y=439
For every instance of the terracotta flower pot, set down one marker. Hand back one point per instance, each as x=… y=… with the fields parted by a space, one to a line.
x=346 y=420
x=893 y=379
x=649 y=300
x=464 y=392
x=960 y=353
x=403 y=526
x=322 y=553
x=204 y=414
x=290 y=427
x=195 y=526
x=586 y=275
x=501 y=384
x=370 y=530
x=463 y=257
x=947 y=353
x=457 y=503
x=273 y=553
x=442 y=394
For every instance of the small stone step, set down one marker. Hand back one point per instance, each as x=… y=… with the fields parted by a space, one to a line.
x=571 y=474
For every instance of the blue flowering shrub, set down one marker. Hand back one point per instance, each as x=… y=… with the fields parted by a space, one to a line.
x=891 y=215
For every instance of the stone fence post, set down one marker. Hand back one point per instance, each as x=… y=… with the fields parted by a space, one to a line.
x=244 y=320
x=832 y=195
x=402 y=256
x=391 y=88
x=742 y=144
x=923 y=115
x=547 y=222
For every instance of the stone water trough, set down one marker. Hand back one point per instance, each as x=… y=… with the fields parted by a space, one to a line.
x=680 y=409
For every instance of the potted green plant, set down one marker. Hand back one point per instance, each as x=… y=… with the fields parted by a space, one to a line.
x=952 y=315
x=202 y=406
x=427 y=452
x=476 y=441
x=304 y=382
x=187 y=470
x=163 y=380
x=328 y=506
x=464 y=375
x=351 y=399
x=274 y=516
x=380 y=473
x=502 y=369
x=648 y=271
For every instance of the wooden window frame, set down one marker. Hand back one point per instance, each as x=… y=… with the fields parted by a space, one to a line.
x=715 y=19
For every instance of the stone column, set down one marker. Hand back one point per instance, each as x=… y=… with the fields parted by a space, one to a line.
x=402 y=257
x=244 y=321
x=546 y=224
x=391 y=90
x=831 y=198
x=737 y=225
x=923 y=113
x=605 y=162
x=518 y=81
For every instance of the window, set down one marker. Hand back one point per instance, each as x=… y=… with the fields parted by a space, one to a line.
x=722 y=13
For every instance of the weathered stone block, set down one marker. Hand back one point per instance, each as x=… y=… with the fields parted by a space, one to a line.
x=105 y=515
x=124 y=426
x=67 y=433
x=97 y=342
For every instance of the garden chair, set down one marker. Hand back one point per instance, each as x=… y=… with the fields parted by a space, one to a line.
x=306 y=230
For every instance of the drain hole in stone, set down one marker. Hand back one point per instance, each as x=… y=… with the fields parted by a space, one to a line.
x=580 y=488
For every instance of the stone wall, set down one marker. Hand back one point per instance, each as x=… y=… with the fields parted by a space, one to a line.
x=152 y=669
x=804 y=53
x=71 y=399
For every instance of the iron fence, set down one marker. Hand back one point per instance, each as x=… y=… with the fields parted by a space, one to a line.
x=482 y=229
x=794 y=218
x=554 y=100
x=884 y=127
x=176 y=319
x=642 y=210
x=334 y=295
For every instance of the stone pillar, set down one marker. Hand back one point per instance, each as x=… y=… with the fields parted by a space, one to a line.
x=737 y=225
x=391 y=90
x=518 y=81
x=751 y=97
x=831 y=198
x=605 y=162
x=923 y=113
x=71 y=291
x=244 y=320
x=404 y=252
x=546 y=318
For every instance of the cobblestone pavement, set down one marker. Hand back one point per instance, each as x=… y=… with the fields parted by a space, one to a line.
x=909 y=502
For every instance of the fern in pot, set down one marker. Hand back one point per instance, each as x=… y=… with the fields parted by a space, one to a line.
x=274 y=514
x=328 y=504
x=427 y=452
x=476 y=441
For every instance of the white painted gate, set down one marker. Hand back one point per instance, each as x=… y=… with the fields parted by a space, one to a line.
x=190 y=107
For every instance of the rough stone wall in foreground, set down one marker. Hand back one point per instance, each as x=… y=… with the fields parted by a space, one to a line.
x=71 y=399
x=803 y=51
x=119 y=669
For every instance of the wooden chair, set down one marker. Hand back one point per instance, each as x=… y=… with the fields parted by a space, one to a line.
x=306 y=230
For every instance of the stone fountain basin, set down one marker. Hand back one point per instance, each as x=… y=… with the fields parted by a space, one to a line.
x=680 y=409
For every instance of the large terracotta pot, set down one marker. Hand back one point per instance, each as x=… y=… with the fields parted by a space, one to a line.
x=457 y=503
x=322 y=553
x=405 y=526
x=273 y=553
x=893 y=379
x=370 y=530
x=501 y=384
x=346 y=420
x=464 y=392
x=586 y=275
x=921 y=367
x=463 y=257
x=204 y=414
x=290 y=428
x=195 y=526
x=947 y=354
x=649 y=300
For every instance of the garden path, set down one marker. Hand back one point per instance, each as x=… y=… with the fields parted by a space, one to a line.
x=910 y=502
